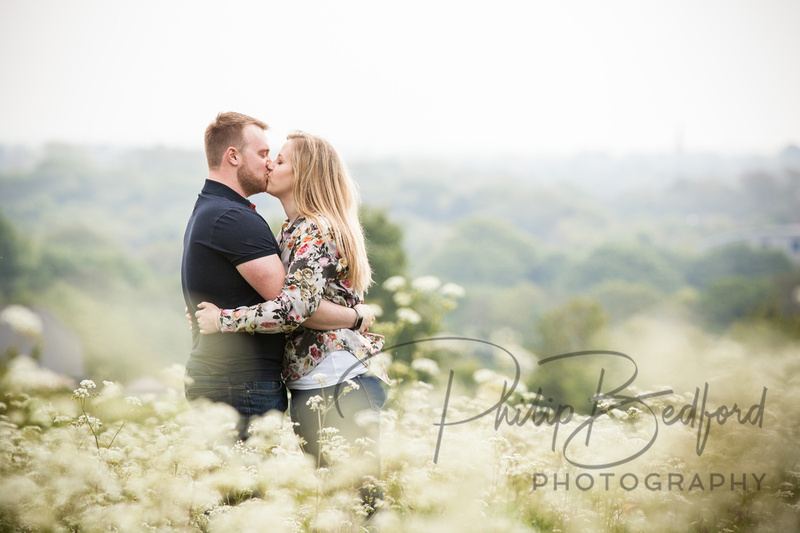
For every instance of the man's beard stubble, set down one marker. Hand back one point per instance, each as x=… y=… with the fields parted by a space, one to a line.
x=249 y=181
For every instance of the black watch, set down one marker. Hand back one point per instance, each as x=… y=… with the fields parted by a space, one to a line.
x=359 y=319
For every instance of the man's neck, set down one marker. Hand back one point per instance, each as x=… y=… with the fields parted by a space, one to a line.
x=229 y=181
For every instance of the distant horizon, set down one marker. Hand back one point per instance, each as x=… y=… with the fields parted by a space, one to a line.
x=419 y=155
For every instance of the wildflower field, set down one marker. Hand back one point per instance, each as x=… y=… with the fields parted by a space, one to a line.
x=691 y=433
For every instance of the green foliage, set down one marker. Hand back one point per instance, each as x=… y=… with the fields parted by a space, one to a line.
x=633 y=264
x=622 y=299
x=126 y=331
x=386 y=255
x=139 y=199
x=127 y=319
x=737 y=260
x=485 y=251
x=97 y=239
x=572 y=327
x=422 y=304
x=486 y=308
x=97 y=232
x=11 y=267
x=731 y=298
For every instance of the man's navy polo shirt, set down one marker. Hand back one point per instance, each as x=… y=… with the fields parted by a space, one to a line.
x=225 y=231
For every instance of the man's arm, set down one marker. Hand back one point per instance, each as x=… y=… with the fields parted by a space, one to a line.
x=267 y=275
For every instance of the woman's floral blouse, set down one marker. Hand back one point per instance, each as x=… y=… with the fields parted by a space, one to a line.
x=315 y=270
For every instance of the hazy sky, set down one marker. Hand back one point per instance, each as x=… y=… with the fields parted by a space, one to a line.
x=460 y=77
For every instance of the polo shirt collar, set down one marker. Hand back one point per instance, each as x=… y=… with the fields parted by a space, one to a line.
x=220 y=189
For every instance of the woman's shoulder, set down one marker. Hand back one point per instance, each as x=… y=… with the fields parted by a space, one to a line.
x=317 y=226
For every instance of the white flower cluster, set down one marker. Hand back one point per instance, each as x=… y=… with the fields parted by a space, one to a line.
x=445 y=466
x=22 y=320
x=83 y=390
x=404 y=314
x=451 y=290
x=133 y=401
x=425 y=365
x=426 y=283
x=634 y=413
x=89 y=421
x=395 y=283
x=316 y=402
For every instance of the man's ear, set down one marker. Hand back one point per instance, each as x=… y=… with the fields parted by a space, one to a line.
x=232 y=156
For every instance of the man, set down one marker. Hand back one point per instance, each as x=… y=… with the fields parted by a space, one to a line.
x=231 y=258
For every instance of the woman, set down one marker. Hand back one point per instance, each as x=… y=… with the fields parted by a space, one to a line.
x=323 y=250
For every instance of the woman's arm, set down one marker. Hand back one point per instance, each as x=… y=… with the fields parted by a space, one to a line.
x=313 y=265
x=340 y=317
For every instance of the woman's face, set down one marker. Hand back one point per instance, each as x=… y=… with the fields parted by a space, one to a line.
x=280 y=180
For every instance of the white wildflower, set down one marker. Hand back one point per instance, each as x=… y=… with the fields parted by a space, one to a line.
x=394 y=283
x=328 y=432
x=452 y=290
x=377 y=310
x=426 y=283
x=484 y=375
x=403 y=299
x=604 y=406
x=25 y=374
x=133 y=401
x=351 y=385
x=22 y=320
x=88 y=384
x=89 y=421
x=425 y=365
x=405 y=314
x=315 y=402
x=634 y=412
x=111 y=389
x=80 y=393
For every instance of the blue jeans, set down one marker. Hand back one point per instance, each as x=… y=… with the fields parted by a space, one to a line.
x=249 y=398
x=360 y=417
x=360 y=414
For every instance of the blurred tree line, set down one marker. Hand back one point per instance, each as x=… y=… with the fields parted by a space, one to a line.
x=96 y=236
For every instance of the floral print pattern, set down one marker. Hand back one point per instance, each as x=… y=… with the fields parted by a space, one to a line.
x=315 y=270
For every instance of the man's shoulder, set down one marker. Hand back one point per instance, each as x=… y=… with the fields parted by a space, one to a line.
x=216 y=207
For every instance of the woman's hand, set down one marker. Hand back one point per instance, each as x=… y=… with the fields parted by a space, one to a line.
x=369 y=317
x=207 y=318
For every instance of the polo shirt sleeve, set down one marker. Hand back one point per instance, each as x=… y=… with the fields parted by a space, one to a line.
x=241 y=235
x=315 y=264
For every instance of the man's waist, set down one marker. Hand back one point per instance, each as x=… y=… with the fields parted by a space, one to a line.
x=198 y=368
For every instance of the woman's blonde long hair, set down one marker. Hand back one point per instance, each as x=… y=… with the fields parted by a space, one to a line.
x=323 y=188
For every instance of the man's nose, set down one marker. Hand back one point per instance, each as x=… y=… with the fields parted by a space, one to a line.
x=269 y=164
